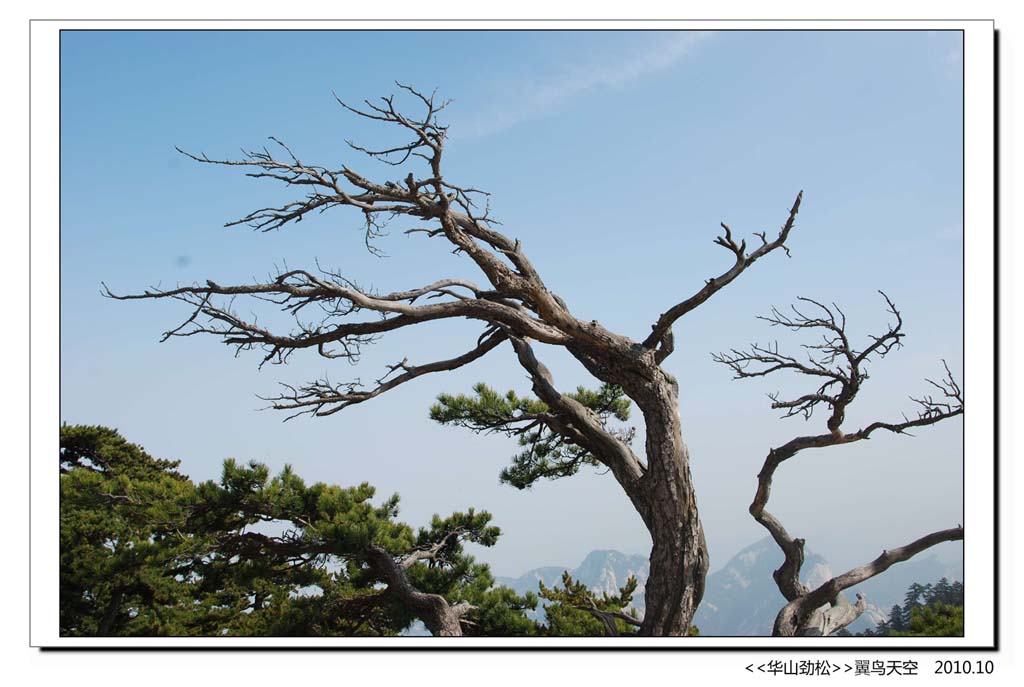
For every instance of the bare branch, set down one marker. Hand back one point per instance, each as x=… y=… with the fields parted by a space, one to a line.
x=334 y=317
x=832 y=358
x=743 y=260
x=835 y=360
x=795 y=614
x=297 y=289
x=323 y=398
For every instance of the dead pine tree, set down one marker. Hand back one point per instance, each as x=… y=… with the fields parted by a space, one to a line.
x=839 y=369
x=513 y=306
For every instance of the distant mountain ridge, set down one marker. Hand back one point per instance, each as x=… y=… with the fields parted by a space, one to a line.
x=601 y=571
x=741 y=598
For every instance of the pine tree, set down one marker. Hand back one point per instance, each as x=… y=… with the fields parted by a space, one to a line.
x=547 y=453
x=122 y=514
x=144 y=551
x=928 y=611
x=936 y=620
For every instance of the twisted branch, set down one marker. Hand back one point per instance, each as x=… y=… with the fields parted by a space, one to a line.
x=836 y=361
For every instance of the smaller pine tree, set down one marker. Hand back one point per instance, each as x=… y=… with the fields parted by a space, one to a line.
x=929 y=610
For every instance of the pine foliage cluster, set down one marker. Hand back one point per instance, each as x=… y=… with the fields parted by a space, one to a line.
x=546 y=452
x=929 y=610
x=145 y=551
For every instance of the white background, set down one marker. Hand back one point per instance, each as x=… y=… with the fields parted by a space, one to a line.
x=172 y=668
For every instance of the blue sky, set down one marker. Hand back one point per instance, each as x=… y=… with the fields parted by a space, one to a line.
x=613 y=156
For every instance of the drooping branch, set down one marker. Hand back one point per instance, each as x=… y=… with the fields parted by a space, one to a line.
x=293 y=291
x=440 y=544
x=840 y=368
x=742 y=260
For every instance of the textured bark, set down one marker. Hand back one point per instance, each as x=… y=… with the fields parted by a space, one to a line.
x=821 y=622
x=441 y=618
x=679 y=557
x=515 y=305
x=661 y=491
x=803 y=615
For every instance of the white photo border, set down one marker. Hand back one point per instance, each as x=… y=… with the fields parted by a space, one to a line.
x=980 y=363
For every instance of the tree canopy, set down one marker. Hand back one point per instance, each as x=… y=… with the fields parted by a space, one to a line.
x=928 y=610
x=145 y=551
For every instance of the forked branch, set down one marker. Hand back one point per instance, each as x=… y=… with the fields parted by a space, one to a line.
x=323 y=397
x=742 y=260
x=839 y=369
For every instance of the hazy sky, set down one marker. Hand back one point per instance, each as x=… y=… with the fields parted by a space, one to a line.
x=613 y=156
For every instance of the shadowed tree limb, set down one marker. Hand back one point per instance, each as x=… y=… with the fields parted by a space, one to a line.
x=585 y=423
x=442 y=618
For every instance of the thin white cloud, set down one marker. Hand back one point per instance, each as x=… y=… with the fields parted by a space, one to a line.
x=949 y=47
x=547 y=92
x=954 y=62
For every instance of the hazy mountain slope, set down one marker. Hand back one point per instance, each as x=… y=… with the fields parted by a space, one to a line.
x=741 y=598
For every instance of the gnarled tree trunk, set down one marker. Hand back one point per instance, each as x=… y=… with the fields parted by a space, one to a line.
x=679 y=559
x=663 y=494
x=513 y=305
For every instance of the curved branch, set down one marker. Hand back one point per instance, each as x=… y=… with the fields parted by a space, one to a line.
x=441 y=618
x=324 y=398
x=607 y=608
x=293 y=296
x=433 y=551
x=836 y=361
x=605 y=446
x=792 y=618
x=743 y=260
x=788 y=574
x=608 y=618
